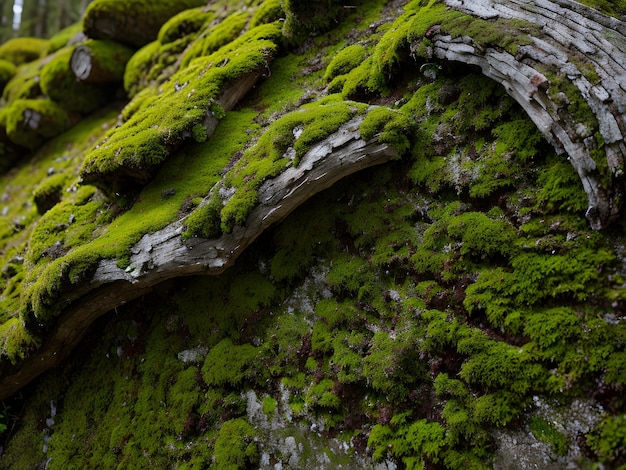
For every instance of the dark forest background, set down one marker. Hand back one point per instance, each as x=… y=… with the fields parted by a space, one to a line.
x=39 y=18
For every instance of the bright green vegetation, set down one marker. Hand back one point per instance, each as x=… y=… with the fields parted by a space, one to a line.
x=169 y=117
x=22 y=50
x=615 y=8
x=405 y=313
x=148 y=17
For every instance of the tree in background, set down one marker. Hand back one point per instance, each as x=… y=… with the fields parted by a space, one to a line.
x=39 y=18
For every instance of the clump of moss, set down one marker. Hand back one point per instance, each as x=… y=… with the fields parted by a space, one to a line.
x=389 y=126
x=22 y=50
x=268 y=12
x=149 y=17
x=184 y=23
x=608 y=440
x=312 y=17
x=16 y=342
x=545 y=432
x=30 y=123
x=24 y=83
x=48 y=193
x=138 y=67
x=216 y=36
x=346 y=60
x=235 y=446
x=165 y=121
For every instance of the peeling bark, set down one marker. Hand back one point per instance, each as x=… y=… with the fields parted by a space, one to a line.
x=570 y=30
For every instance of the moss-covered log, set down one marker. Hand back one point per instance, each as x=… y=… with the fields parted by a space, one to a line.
x=22 y=50
x=134 y=22
x=7 y=70
x=165 y=255
x=569 y=83
x=60 y=84
x=450 y=309
x=30 y=123
x=100 y=61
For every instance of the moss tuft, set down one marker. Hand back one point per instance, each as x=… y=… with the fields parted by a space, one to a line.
x=22 y=50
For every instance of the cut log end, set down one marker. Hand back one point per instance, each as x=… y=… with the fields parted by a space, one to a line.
x=81 y=63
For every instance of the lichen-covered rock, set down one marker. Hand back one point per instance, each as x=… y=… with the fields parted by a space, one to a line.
x=135 y=22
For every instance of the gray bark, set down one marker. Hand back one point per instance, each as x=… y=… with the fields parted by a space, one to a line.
x=570 y=29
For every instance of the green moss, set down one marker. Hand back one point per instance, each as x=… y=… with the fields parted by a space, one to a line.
x=545 y=432
x=24 y=84
x=269 y=405
x=302 y=17
x=48 y=192
x=298 y=130
x=267 y=12
x=347 y=59
x=608 y=440
x=228 y=364
x=22 y=50
x=615 y=8
x=138 y=67
x=111 y=57
x=184 y=23
x=16 y=341
x=321 y=395
x=32 y=122
x=61 y=38
x=140 y=145
x=235 y=446
x=413 y=443
x=101 y=13
x=216 y=36
x=391 y=127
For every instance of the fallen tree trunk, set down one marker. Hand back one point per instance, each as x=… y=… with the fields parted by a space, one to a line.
x=165 y=255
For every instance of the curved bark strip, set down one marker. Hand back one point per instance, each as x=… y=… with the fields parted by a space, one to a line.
x=164 y=255
x=570 y=30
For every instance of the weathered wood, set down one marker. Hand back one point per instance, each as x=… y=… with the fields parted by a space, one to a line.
x=165 y=255
x=570 y=30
